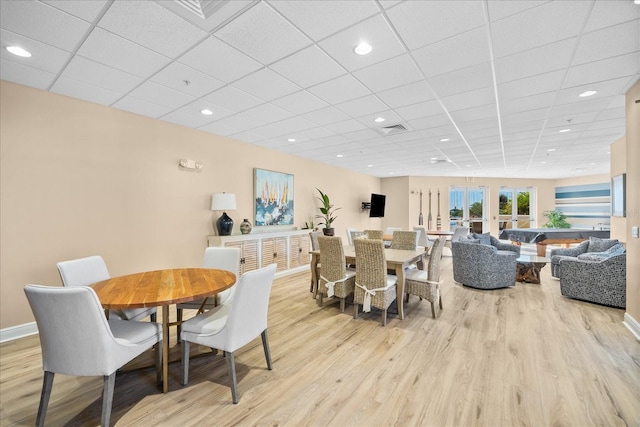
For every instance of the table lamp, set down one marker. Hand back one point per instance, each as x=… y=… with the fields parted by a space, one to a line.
x=223 y=202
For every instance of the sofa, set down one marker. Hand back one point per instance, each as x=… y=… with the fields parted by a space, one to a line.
x=484 y=266
x=593 y=246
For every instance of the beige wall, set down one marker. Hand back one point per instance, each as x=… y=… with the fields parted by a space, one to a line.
x=619 y=166
x=633 y=200
x=80 y=179
x=409 y=189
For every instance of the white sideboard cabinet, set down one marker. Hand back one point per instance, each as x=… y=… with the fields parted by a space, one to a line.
x=288 y=249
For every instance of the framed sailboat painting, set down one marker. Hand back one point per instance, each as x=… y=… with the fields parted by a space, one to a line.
x=273 y=197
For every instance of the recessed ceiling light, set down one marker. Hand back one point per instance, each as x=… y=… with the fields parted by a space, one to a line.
x=564 y=130
x=391 y=173
x=206 y=112
x=445 y=140
x=379 y=120
x=291 y=140
x=636 y=1
x=363 y=48
x=18 y=51
x=551 y=149
x=369 y=166
x=339 y=156
x=543 y=162
x=588 y=93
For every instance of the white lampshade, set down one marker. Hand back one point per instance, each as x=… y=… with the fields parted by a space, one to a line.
x=223 y=202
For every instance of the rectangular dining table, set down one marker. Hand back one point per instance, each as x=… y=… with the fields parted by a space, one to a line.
x=162 y=288
x=397 y=260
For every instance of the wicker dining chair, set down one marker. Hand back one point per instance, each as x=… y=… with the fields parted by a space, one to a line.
x=374 y=234
x=335 y=279
x=374 y=287
x=426 y=284
x=405 y=240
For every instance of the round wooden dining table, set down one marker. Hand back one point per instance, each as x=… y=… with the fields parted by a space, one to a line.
x=162 y=288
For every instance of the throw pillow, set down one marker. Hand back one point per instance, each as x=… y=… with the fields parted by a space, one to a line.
x=616 y=249
x=600 y=245
x=469 y=240
x=485 y=238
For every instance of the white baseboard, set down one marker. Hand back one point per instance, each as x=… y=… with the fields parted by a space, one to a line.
x=632 y=324
x=20 y=331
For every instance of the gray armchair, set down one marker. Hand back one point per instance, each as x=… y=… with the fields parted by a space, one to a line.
x=483 y=266
x=593 y=245
x=599 y=280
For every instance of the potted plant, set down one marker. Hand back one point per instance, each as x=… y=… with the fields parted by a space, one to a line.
x=556 y=219
x=327 y=214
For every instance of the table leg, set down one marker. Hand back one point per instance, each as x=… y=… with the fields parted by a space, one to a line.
x=314 y=274
x=165 y=348
x=541 y=249
x=400 y=290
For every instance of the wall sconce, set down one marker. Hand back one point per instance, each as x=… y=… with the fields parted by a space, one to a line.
x=190 y=164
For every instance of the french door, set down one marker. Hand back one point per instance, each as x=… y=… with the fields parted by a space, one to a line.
x=467 y=208
x=515 y=207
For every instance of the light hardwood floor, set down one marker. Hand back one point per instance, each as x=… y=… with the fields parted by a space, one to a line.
x=520 y=356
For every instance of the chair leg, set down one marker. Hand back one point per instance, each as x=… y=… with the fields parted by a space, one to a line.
x=384 y=317
x=267 y=352
x=185 y=362
x=179 y=322
x=154 y=317
x=342 y=304
x=433 y=310
x=406 y=298
x=47 y=384
x=355 y=310
x=440 y=301
x=231 y=363
x=159 y=362
x=107 y=398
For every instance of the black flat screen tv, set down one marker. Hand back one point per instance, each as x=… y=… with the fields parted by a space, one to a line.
x=377 y=205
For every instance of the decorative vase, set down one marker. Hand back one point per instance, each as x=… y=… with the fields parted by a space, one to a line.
x=245 y=227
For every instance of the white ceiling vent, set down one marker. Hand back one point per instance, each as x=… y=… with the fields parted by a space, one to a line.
x=203 y=8
x=393 y=129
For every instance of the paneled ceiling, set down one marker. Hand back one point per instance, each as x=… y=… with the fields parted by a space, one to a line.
x=466 y=88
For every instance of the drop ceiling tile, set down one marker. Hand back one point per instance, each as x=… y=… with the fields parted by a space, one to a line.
x=459 y=81
x=340 y=89
x=271 y=38
x=44 y=57
x=389 y=116
x=410 y=94
x=362 y=106
x=502 y=9
x=583 y=106
x=615 y=124
x=374 y=31
x=43 y=23
x=325 y=116
x=605 y=88
x=608 y=42
x=187 y=119
x=268 y=113
x=300 y=102
x=186 y=79
x=319 y=19
x=240 y=122
x=524 y=117
x=316 y=133
x=87 y=92
x=362 y=135
x=539 y=60
x=219 y=60
x=533 y=102
x=295 y=124
x=24 y=75
x=472 y=98
x=233 y=99
x=391 y=73
x=548 y=82
x=612 y=113
x=152 y=26
x=86 y=10
x=429 y=122
x=194 y=108
x=266 y=84
x=548 y=23
x=272 y=132
x=157 y=94
x=422 y=109
x=139 y=106
x=308 y=67
x=420 y=23
x=346 y=126
x=106 y=48
x=218 y=128
x=93 y=73
x=460 y=51
x=611 y=12
x=217 y=16
x=487 y=113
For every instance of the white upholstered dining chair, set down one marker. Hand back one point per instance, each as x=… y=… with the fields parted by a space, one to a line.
x=92 y=269
x=222 y=258
x=229 y=327
x=77 y=339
